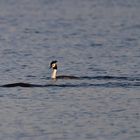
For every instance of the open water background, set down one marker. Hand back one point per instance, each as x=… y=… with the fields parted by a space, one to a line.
x=97 y=40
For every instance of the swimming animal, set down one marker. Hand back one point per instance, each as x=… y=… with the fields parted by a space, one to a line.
x=53 y=66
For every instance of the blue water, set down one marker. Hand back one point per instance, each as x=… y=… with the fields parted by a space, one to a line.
x=96 y=40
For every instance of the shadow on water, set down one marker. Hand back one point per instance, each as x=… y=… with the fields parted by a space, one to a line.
x=119 y=82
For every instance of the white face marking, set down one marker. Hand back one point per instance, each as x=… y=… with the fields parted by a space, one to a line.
x=53 y=65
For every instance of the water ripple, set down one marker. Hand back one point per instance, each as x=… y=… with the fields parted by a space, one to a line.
x=106 y=84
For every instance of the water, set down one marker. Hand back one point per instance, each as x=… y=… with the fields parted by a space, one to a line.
x=97 y=40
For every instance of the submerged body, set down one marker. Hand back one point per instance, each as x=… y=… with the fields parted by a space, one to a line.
x=54 y=76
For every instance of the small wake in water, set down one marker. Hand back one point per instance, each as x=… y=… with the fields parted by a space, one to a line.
x=117 y=78
x=106 y=81
x=111 y=78
x=107 y=84
x=19 y=85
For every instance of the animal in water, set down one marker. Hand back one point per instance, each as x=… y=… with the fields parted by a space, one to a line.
x=53 y=66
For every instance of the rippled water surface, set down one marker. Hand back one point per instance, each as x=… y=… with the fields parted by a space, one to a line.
x=96 y=40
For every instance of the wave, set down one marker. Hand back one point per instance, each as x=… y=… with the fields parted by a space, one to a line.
x=111 y=78
x=106 y=84
x=85 y=81
x=103 y=78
